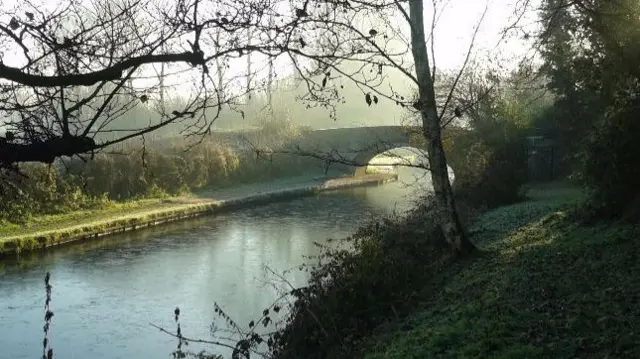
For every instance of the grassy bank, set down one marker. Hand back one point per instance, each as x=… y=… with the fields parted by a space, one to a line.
x=52 y=230
x=543 y=287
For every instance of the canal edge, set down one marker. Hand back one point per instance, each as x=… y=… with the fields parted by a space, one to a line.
x=93 y=230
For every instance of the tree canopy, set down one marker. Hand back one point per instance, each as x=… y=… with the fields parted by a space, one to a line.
x=71 y=69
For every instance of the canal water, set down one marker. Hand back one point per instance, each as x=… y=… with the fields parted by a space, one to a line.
x=107 y=293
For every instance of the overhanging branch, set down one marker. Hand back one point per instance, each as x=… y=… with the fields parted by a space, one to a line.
x=111 y=73
x=44 y=151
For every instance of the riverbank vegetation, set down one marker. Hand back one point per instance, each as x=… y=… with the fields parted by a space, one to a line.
x=399 y=296
x=544 y=287
x=557 y=272
x=141 y=172
x=398 y=264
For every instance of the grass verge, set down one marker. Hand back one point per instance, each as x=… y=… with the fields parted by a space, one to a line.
x=54 y=221
x=99 y=223
x=544 y=287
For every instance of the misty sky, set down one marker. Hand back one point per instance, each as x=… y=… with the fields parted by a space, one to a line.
x=457 y=20
x=456 y=23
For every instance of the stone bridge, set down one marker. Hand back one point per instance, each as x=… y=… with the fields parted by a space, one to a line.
x=355 y=146
x=352 y=146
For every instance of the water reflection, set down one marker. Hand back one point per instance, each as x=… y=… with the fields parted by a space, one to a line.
x=106 y=292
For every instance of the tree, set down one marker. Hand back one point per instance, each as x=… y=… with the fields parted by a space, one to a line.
x=249 y=72
x=372 y=35
x=270 y=78
x=83 y=65
x=451 y=225
x=590 y=54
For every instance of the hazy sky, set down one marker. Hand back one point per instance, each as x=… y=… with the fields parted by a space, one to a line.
x=453 y=33
x=457 y=20
x=455 y=28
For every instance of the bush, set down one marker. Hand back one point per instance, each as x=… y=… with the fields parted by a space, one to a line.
x=41 y=189
x=353 y=291
x=162 y=168
x=611 y=172
x=490 y=164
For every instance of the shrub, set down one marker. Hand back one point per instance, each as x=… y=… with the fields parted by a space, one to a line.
x=163 y=168
x=611 y=172
x=41 y=189
x=352 y=291
x=490 y=164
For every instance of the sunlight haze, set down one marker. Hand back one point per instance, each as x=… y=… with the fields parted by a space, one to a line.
x=456 y=23
x=457 y=20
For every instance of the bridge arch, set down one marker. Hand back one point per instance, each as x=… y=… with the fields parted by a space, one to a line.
x=413 y=160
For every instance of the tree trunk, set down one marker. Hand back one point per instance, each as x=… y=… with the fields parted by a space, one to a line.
x=298 y=76
x=249 y=38
x=270 y=89
x=162 y=89
x=270 y=78
x=449 y=220
x=220 y=69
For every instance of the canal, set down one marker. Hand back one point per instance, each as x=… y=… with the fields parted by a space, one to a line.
x=106 y=293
